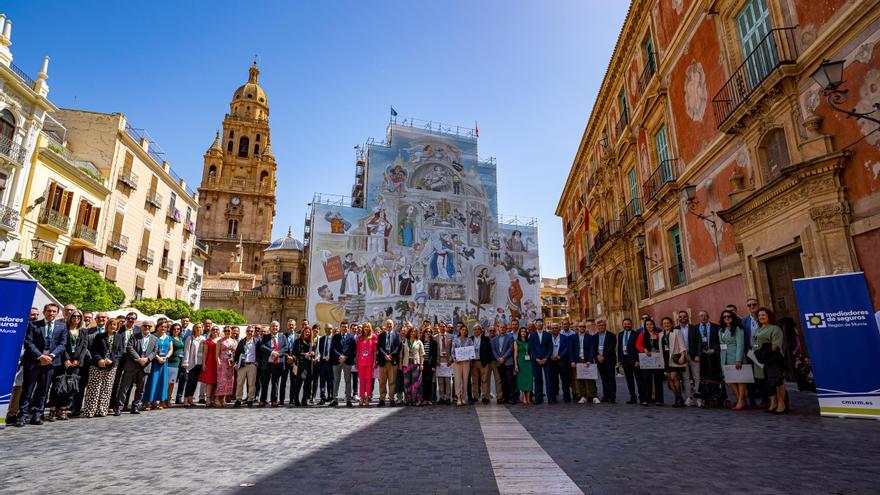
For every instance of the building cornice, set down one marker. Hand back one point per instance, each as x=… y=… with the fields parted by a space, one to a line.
x=158 y=170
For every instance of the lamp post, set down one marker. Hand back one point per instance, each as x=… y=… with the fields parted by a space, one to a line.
x=689 y=193
x=640 y=246
x=36 y=244
x=829 y=76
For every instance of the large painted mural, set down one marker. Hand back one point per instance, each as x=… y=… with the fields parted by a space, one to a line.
x=426 y=245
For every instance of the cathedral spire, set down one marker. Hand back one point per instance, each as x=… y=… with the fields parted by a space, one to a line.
x=253 y=73
x=216 y=145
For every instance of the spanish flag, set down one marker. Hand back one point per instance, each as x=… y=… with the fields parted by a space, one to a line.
x=590 y=221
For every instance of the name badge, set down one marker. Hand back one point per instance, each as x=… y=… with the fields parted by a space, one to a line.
x=601 y=349
x=366 y=353
x=723 y=347
x=528 y=358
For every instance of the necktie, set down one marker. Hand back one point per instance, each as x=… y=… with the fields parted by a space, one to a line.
x=703 y=330
x=326 y=348
x=275 y=346
x=48 y=332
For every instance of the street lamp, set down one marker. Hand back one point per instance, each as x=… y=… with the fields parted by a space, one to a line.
x=640 y=246
x=829 y=76
x=689 y=193
x=36 y=244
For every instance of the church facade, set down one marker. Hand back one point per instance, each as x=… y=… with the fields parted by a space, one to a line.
x=247 y=271
x=421 y=237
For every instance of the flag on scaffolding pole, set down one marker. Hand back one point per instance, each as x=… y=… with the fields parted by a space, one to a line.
x=476 y=129
x=393 y=112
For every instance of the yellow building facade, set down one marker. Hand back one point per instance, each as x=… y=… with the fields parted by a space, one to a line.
x=146 y=226
x=64 y=205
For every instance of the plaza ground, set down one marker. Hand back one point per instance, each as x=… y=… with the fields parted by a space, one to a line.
x=601 y=449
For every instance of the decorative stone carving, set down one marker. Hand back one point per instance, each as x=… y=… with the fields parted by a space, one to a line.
x=831 y=216
x=695 y=92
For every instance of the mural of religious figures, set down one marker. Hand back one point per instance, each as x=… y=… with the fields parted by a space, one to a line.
x=378 y=230
x=484 y=287
x=406 y=229
x=350 y=276
x=338 y=224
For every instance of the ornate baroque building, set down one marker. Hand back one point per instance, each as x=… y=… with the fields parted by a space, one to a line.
x=713 y=165
x=246 y=270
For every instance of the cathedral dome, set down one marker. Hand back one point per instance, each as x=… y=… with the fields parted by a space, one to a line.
x=287 y=243
x=251 y=92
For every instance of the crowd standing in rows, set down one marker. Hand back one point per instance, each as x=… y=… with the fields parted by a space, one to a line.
x=88 y=365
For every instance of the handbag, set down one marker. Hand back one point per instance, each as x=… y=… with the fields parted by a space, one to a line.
x=66 y=386
x=675 y=358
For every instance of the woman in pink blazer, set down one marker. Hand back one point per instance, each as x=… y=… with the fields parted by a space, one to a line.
x=366 y=361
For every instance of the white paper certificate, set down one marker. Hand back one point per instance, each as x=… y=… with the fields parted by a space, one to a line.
x=444 y=370
x=652 y=362
x=465 y=353
x=587 y=371
x=733 y=375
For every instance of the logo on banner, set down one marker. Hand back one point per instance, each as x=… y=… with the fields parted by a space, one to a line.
x=815 y=320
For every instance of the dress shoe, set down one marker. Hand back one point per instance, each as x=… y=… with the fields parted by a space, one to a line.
x=334 y=403
x=485 y=401
x=250 y=403
x=237 y=404
x=322 y=401
x=135 y=410
x=348 y=403
x=381 y=403
x=632 y=401
x=117 y=412
x=36 y=420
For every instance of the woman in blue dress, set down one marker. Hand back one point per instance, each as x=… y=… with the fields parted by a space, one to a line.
x=156 y=391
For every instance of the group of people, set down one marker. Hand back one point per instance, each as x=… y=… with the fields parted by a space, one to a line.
x=88 y=365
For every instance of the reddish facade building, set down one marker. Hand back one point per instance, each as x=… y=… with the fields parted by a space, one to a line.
x=714 y=166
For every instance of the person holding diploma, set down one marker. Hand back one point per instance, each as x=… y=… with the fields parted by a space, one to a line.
x=462 y=367
x=523 y=366
x=366 y=362
x=674 y=357
x=767 y=344
x=732 y=352
x=648 y=342
x=582 y=353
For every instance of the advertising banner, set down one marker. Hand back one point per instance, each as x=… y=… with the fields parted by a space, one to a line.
x=843 y=342
x=15 y=306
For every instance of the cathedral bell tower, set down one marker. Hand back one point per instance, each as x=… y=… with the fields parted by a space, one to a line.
x=237 y=193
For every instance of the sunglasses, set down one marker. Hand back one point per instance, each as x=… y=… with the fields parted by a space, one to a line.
x=728 y=317
x=131 y=318
x=751 y=305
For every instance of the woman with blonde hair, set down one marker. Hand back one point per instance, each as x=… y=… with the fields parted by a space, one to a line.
x=366 y=362
x=105 y=352
x=462 y=367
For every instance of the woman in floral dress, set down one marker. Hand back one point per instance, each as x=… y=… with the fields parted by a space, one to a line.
x=226 y=368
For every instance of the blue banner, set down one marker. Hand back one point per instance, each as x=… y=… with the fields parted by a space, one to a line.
x=843 y=342
x=16 y=297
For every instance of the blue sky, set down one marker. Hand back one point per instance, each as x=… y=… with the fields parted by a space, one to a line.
x=526 y=71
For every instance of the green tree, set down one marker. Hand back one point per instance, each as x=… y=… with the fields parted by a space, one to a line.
x=172 y=308
x=77 y=285
x=221 y=316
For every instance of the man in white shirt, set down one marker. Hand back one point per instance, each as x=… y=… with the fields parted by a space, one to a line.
x=246 y=366
x=444 y=356
x=691 y=373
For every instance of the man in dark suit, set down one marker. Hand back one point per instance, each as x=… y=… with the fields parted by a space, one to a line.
x=502 y=351
x=289 y=335
x=325 y=365
x=560 y=365
x=140 y=351
x=540 y=346
x=605 y=349
x=126 y=331
x=274 y=352
x=44 y=344
x=691 y=373
x=628 y=356
x=388 y=357
x=710 y=360
x=343 y=349
x=480 y=366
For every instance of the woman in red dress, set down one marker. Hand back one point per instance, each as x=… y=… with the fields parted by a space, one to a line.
x=209 y=365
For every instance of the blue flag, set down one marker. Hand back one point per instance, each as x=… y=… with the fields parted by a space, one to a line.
x=393 y=112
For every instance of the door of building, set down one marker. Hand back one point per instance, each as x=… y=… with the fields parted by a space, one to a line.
x=781 y=270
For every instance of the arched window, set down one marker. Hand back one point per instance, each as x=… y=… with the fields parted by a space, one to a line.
x=229 y=146
x=233 y=228
x=258 y=138
x=7 y=125
x=264 y=177
x=773 y=153
x=231 y=134
x=212 y=171
x=256 y=149
x=243 y=145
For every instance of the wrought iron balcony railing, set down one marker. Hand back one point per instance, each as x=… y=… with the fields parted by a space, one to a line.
x=166 y=265
x=154 y=199
x=147 y=256
x=779 y=47
x=8 y=218
x=86 y=233
x=666 y=173
x=632 y=210
x=23 y=75
x=621 y=124
x=54 y=218
x=118 y=242
x=129 y=178
x=12 y=150
x=647 y=73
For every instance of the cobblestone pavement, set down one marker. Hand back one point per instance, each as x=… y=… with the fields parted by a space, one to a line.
x=603 y=448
